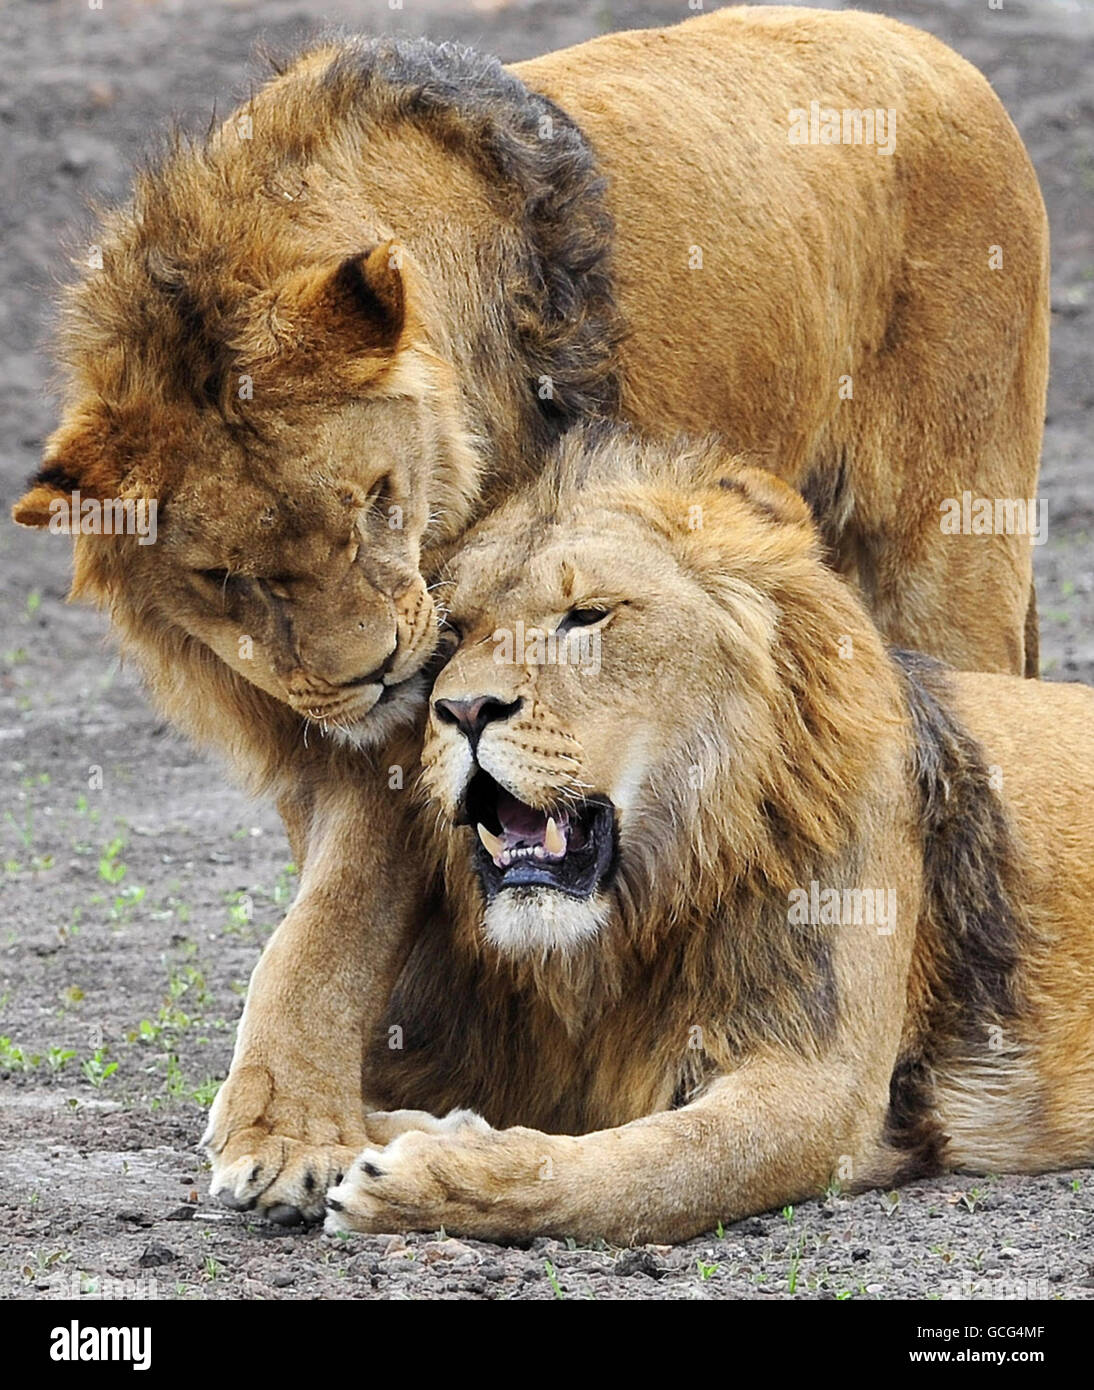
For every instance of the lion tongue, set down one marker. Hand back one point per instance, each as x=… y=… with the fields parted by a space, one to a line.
x=525 y=827
x=520 y=822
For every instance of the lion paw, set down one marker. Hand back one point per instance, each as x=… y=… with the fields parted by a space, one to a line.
x=275 y=1154
x=408 y=1184
x=284 y=1179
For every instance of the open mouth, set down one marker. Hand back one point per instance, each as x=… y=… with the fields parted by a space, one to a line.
x=571 y=849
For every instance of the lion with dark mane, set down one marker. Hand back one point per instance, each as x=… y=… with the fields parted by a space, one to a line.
x=744 y=905
x=334 y=334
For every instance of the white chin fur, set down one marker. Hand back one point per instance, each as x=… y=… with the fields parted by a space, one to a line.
x=379 y=724
x=532 y=921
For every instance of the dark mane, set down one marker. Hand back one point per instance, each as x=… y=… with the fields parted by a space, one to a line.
x=972 y=933
x=564 y=314
x=181 y=281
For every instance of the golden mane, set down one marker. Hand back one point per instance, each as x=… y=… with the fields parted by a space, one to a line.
x=768 y=795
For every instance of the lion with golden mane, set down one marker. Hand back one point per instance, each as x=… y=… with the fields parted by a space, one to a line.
x=737 y=901
x=331 y=336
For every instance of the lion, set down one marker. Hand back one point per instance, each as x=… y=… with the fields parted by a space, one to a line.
x=747 y=904
x=352 y=321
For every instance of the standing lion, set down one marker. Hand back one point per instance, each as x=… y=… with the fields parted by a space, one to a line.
x=334 y=334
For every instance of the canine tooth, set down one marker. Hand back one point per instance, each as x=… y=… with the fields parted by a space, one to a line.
x=554 y=841
x=490 y=843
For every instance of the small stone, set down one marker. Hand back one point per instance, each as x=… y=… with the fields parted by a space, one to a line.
x=633 y=1262
x=282 y=1280
x=101 y=95
x=134 y=1218
x=156 y=1254
x=448 y=1250
x=184 y=1213
x=860 y=1254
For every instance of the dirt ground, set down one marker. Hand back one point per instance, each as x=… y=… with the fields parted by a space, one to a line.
x=133 y=912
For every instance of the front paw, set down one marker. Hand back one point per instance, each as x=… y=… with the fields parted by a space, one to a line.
x=391 y=1189
x=470 y=1179
x=282 y=1178
x=278 y=1154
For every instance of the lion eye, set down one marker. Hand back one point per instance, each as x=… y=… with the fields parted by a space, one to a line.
x=380 y=492
x=278 y=585
x=582 y=617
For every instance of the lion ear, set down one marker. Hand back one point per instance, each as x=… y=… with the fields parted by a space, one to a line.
x=33 y=508
x=359 y=307
x=768 y=494
x=369 y=292
x=49 y=495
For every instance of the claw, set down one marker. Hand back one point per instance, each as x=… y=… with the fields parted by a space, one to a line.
x=232 y=1202
x=285 y=1215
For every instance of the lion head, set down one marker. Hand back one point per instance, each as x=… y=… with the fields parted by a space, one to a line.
x=289 y=533
x=307 y=339
x=650 y=704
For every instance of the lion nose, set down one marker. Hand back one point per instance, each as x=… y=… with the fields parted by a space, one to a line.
x=472 y=716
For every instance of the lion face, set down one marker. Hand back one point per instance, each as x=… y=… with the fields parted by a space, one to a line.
x=601 y=656
x=293 y=556
x=289 y=527
x=305 y=580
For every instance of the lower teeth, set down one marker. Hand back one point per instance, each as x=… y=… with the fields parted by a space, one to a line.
x=515 y=856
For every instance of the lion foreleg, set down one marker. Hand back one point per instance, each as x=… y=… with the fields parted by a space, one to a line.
x=774 y=1132
x=291 y=1115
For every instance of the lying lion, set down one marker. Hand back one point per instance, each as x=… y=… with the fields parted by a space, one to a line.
x=741 y=905
x=329 y=338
